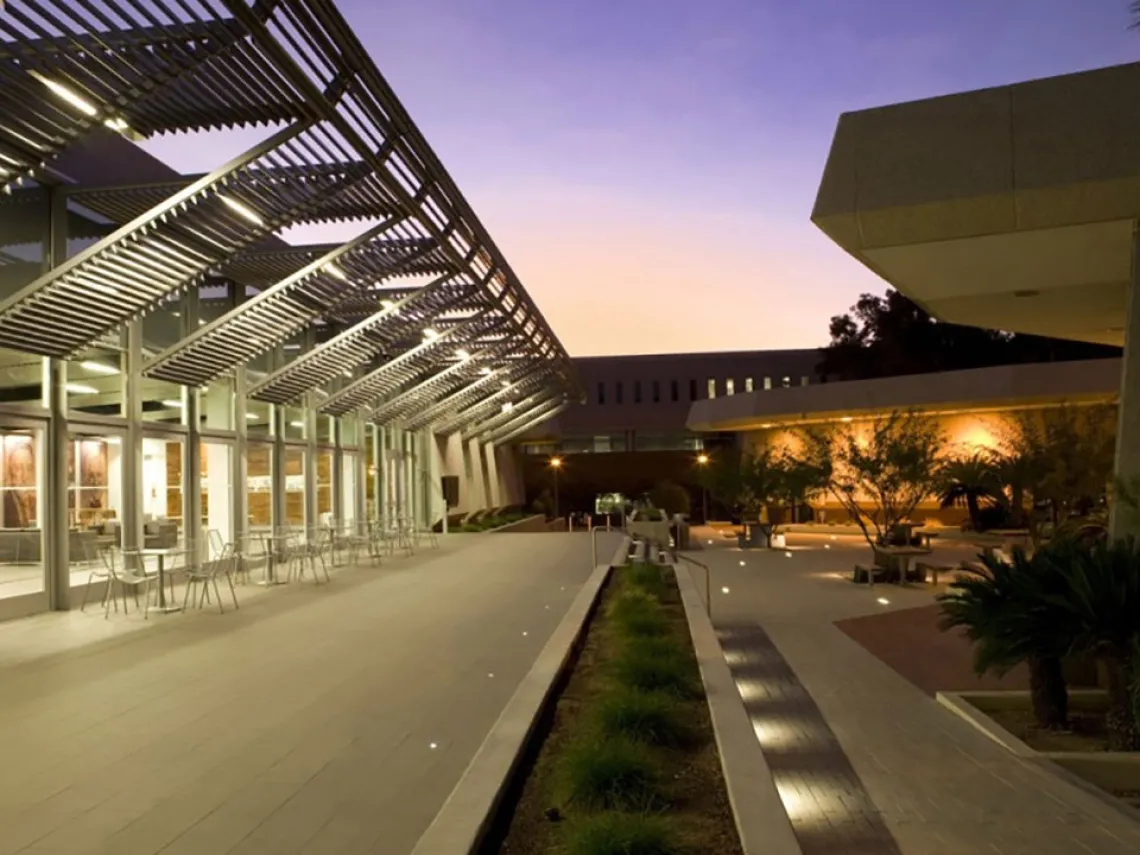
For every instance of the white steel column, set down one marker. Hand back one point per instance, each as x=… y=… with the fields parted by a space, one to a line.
x=132 y=524
x=196 y=540
x=239 y=465
x=55 y=547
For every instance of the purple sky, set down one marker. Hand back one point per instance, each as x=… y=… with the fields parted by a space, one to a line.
x=648 y=166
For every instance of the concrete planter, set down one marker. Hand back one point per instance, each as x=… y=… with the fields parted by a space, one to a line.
x=1098 y=772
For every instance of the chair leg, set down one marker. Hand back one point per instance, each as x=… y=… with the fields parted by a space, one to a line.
x=233 y=592
x=87 y=591
x=186 y=593
x=110 y=599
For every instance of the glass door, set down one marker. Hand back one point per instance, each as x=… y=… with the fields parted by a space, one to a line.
x=217 y=495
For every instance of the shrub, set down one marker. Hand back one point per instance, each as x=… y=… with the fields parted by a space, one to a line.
x=615 y=773
x=655 y=669
x=649 y=717
x=614 y=833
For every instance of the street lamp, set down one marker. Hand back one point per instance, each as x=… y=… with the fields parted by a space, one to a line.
x=703 y=461
x=555 y=466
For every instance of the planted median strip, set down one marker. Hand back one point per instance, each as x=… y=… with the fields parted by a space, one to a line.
x=627 y=763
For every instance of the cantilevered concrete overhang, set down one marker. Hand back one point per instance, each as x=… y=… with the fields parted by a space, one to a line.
x=976 y=390
x=1009 y=208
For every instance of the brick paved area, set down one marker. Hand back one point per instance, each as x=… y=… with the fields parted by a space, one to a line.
x=939 y=786
x=314 y=721
x=803 y=754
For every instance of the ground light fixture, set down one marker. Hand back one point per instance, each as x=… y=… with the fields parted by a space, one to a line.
x=884 y=601
x=724 y=590
x=742 y=563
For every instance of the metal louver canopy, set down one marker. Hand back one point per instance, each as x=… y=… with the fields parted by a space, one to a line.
x=339 y=146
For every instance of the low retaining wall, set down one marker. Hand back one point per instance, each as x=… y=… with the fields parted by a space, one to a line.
x=533 y=523
x=462 y=823
x=761 y=820
x=1094 y=772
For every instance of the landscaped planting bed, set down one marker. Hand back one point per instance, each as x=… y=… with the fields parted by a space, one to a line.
x=625 y=762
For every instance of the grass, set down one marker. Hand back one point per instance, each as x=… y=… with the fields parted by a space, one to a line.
x=649 y=717
x=627 y=764
x=636 y=613
x=608 y=773
x=614 y=833
x=649 y=670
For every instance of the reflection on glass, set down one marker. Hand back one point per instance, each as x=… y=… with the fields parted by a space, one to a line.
x=258 y=418
x=216 y=405
x=94 y=501
x=294 y=423
x=324 y=487
x=217 y=511
x=95 y=382
x=295 y=487
x=21 y=535
x=162 y=492
x=348 y=487
x=21 y=376
x=259 y=471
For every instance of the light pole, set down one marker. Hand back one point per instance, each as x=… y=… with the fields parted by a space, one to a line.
x=555 y=465
x=703 y=462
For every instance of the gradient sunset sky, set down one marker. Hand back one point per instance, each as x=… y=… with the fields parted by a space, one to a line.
x=648 y=166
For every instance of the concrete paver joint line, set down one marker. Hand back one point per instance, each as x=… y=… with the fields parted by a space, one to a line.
x=761 y=820
x=459 y=827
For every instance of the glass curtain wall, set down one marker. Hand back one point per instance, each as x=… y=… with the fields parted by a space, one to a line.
x=178 y=479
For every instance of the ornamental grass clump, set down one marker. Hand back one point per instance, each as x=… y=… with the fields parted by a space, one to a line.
x=616 y=773
x=616 y=833
x=650 y=717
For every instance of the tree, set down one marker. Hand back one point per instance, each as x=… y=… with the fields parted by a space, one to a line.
x=1009 y=612
x=743 y=480
x=670 y=497
x=799 y=480
x=970 y=480
x=1064 y=456
x=892 y=335
x=881 y=474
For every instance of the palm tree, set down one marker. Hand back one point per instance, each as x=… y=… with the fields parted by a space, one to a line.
x=1008 y=611
x=1102 y=608
x=971 y=481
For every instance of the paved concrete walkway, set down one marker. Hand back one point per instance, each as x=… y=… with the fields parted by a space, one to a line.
x=314 y=720
x=858 y=750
